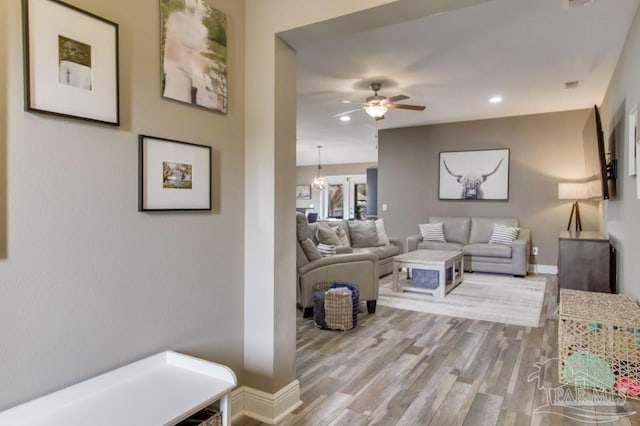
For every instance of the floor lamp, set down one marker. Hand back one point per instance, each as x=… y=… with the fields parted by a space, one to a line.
x=573 y=191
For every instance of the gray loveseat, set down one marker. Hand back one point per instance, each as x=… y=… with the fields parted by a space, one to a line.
x=383 y=252
x=471 y=236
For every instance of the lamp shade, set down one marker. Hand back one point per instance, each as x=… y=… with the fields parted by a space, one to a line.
x=572 y=191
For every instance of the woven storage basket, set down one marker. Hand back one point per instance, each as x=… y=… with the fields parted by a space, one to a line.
x=210 y=416
x=338 y=309
x=335 y=305
x=599 y=342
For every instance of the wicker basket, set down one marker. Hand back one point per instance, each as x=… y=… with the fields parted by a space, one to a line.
x=599 y=342
x=335 y=308
x=209 y=416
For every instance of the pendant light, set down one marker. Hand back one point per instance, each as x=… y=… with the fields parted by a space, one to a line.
x=319 y=182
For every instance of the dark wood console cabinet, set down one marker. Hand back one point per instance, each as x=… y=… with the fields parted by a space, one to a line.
x=586 y=262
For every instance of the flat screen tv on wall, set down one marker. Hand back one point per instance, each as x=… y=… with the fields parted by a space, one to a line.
x=599 y=163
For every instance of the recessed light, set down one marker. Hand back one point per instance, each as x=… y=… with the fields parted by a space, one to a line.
x=345 y=118
x=495 y=99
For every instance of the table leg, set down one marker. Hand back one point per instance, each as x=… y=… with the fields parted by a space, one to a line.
x=442 y=278
x=395 y=286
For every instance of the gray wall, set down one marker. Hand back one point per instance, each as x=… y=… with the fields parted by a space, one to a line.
x=623 y=211
x=544 y=149
x=88 y=283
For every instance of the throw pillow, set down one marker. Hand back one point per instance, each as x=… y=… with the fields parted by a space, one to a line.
x=325 y=234
x=310 y=250
x=503 y=235
x=432 y=232
x=342 y=236
x=383 y=238
x=363 y=233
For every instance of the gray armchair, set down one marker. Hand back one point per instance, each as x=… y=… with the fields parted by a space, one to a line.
x=360 y=269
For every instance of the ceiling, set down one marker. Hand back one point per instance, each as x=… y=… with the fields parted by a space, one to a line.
x=453 y=62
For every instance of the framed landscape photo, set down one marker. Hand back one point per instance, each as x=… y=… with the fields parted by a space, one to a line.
x=173 y=175
x=70 y=62
x=303 y=192
x=474 y=175
x=193 y=53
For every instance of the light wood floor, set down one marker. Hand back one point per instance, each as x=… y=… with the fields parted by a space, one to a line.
x=407 y=368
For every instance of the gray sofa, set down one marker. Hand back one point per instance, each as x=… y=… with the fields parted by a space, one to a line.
x=360 y=269
x=471 y=236
x=384 y=253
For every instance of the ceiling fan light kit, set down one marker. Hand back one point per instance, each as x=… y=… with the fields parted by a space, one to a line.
x=376 y=106
x=376 y=111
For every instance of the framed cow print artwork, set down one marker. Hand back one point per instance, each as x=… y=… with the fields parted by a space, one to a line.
x=474 y=175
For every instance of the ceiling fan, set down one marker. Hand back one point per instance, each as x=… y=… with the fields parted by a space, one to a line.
x=377 y=106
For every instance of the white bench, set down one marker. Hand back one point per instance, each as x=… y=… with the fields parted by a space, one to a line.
x=162 y=389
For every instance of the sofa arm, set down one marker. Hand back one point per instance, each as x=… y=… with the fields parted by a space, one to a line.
x=338 y=258
x=520 y=252
x=397 y=242
x=413 y=241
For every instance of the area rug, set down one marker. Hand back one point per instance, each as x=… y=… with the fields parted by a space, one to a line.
x=488 y=297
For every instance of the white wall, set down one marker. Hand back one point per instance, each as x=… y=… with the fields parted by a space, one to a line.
x=88 y=283
x=623 y=211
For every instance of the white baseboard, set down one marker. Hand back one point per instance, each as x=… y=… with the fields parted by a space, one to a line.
x=265 y=407
x=544 y=269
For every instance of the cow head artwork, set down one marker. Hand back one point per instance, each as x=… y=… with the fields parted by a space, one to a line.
x=471 y=183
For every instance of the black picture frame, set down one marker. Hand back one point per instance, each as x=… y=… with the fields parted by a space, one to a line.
x=173 y=175
x=480 y=175
x=70 y=62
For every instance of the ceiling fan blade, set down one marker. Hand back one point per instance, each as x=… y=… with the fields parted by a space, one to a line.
x=346 y=112
x=403 y=106
x=396 y=98
x=380 y=118
x=353 y=102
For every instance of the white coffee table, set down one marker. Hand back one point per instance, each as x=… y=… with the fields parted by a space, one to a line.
x=432 y=260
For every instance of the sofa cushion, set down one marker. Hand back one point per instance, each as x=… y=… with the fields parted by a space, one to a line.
x=326 y=234
x=342 y=235
x=503 y=235
x=482 y=227
x=487 y=250
x=456 y=229
x=382 y=252
x=432 y=232
x=363 y=233
x=383 y=238
x=310 y=250
x=431 y=245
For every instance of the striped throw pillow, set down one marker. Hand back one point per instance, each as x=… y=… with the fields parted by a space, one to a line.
x=503 y=234
x=432 y=232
